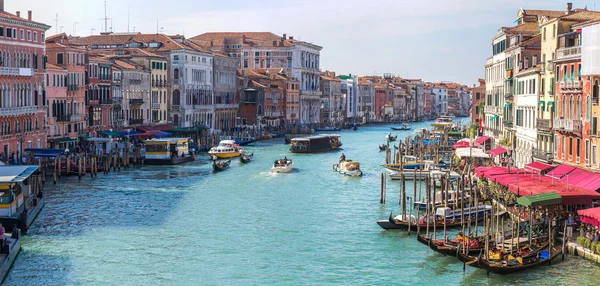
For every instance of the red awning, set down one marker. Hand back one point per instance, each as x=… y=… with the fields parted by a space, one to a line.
x=499 y=150
x=590 y=216
x=461 y=144
x=560 y=171
x=537 y=167
x=481 y=139
x=164 y=127
x=582 y=178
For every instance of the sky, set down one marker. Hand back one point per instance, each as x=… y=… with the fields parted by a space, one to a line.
x=435 y=40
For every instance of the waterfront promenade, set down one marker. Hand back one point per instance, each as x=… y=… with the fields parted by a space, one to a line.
x=184 y=225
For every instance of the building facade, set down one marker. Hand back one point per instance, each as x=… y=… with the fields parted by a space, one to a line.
x=225 y=87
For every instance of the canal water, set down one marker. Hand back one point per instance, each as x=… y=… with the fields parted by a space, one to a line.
x=184 y=225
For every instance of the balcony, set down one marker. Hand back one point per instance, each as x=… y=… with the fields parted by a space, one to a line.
x=567 y=125
x=16 y=71
x=568 y=53
x=135 y=81
x=543 y=125
x=135 y=121
x=72 y=87
x=66 y=118
x=104 y=77
x=156 y=105
x=542 y=155
x=508 y=97
x=75 y=117
x=175 y=108
x=507 y=123
x=494 y=109
x=17 y=111
x=136 y=101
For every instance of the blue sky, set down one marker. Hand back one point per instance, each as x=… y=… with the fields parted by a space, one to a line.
x=430 y=39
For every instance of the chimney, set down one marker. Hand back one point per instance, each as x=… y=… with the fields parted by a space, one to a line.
x=2 y=5
x=285 y=36
x=29 y=15
x=569 y=7
x=19 y=14
x=291 y=37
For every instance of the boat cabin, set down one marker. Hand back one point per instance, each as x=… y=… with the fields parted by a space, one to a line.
x=20 y=190
x=166 y=148
x=320 y=143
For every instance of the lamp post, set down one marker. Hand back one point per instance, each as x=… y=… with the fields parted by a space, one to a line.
x=20 y=149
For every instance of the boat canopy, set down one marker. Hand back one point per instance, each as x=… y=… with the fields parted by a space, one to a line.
x=546 y=199
x=15 y=174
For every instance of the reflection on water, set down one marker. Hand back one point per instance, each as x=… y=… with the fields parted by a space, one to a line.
x=185 y=225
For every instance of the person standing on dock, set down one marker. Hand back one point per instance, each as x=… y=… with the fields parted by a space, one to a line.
x=570 y=222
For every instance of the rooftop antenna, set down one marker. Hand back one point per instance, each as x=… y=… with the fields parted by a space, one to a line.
x=157 y=25
x=92 y=31
x=111 y=25
x=75 y=28
x=105 y=18
x=56 y=21
x=128 y=15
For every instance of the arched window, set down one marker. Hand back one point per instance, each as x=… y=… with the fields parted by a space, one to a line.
x=595 y=92
x=578 y=114
x=564 y=107
x=176 y=97
x=571 y=103
x=588 y=109
x=176 y=74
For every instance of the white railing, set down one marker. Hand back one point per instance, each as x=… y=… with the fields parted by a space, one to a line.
x=16 y=71
x=75 y=117
x=567 y=124
x=577 y=84
x=566 y=53
x=16 y=111
x=569 y=84
x=156 y=105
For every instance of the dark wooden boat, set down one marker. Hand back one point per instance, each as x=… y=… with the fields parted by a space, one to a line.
x=544 y=256
x=246 y=158
x=288 y=140
x=393 y=223
x=221 y=166
x=382 y=147
x=355 y=128
x=244 y=142
x=392 y=138
x=403 y=128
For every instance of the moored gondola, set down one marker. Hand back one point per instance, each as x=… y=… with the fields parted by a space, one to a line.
x=221 y=166
x=517 y=264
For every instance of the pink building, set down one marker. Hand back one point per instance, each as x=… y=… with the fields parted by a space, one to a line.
x=22 y=88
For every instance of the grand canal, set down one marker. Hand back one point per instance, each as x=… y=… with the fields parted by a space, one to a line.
x=184 y=225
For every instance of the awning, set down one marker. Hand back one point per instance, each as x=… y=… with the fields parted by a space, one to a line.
x=85 y=136
x=493 y=117
x=471 y=152
x=508 y=79
x=164 y=127
x=560 y=171
x=506 y=105
x=546 y=199
x=583 y=179
x=63 y=140
x=542 y=104
x=130 y=133
x=111 y=133
x=590 y=216
x=154 y=134
x=15 y=174
x=481 y=139
x=461 y=144
x=550 y=103
x=189 y=129
x=537 y=167
x=499 y=150
x=517 y=20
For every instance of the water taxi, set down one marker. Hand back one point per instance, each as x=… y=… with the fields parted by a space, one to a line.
x=348 y=168
x=282 y=166
x=21 y=197
x=168 y=151
x=226 y=149
x=314 y=144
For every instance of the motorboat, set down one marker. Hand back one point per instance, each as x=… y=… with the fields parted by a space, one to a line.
x=221 y=166
x=226 y=149
x=348 y=168
x=453 y=199
x=282 y=166
x=327 y=129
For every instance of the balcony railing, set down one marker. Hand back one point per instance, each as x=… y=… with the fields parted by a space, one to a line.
x=568 y=53
x=542 y=155
x=494 y=109
x=507 y=123
x=508 y=97
x=135 y=121
x=16 y=111
x=75 y=117
x=567 y=125
x=72 y=87
x=66 y=118
x=156 y=105
x=16 y=71
x=543 y=124
x=104 y=77
x=135 y=101
x=175 y=107
x=135 y=81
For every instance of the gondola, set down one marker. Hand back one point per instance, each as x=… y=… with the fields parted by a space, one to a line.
x=452 y=246
x=355 y=128
x=542 y=257
x=221 y=166
x=246 y=158
x=382 y=147
x=391 y=138
x=288 y=140
x=394 y=223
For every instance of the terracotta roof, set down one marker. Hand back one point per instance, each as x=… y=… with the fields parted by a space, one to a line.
x=54 y=67
x=328 y=78
x=257 y=84
x=98 y=59
x=547 y=13
x=251 y=38
x=527 y=27
x=125 y=65
x=4 y=14
x=167 y=44
x=581 y=16
x=534 y=41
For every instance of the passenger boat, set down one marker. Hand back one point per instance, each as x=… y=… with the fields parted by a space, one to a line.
x=314 y=144
x=327 y=129
x=246 y=158
x=21 y=196
x=282 y=166
x=513 y=264
x=348 y=168
x=221 y=166
x=226 y=149
x=391 y=138
x=168 y=151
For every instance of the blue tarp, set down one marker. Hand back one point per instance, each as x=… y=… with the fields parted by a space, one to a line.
x=133 y=132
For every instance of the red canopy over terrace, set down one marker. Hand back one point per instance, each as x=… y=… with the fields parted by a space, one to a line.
x=499 y=150
x=560 y=171
x=461 y=144
x=527 y=183
x=481 y=139
x=537 y=167
x=583 y=179
x=590 y=216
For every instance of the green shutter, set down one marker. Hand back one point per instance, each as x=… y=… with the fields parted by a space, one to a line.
x=153 y=65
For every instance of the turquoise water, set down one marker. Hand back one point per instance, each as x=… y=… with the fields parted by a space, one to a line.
x=184 y=225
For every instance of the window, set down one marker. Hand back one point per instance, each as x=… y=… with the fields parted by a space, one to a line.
x=68 y=58
x=256 y=54
x=578 y=150
x=594 y=154
x=35 y=37
x=59 y=59
x=14 y=33
x=245 y=63
x=544 y=34
x=43 y=37
x=268 y=54
x=1 y=31
x=289 y=63
x=594 y=126
x=175 y=57
x=204 y=60
x=543 y=85
x=587 y=152
x=564 y=146
x=572 y=72
x=588 y=109
x=22 y=35
x=256 y=63
x=8 y=32
x=28 y=35
x=245 y=54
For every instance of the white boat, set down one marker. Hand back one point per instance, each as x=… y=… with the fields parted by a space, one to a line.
x=454 y=198
x=282 y=166
x=414 y=173
x=226 y=149
x=457 y=214
x=348 y=168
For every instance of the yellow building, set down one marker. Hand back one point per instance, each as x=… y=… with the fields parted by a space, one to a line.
x=159 y=88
